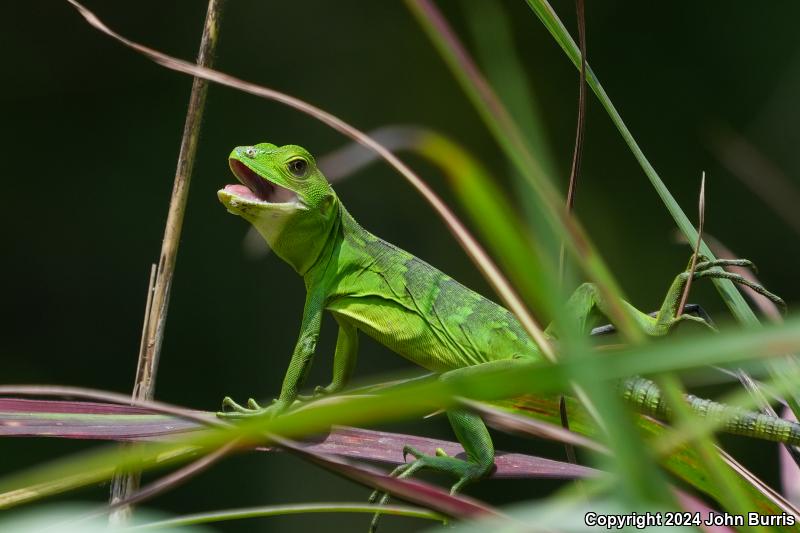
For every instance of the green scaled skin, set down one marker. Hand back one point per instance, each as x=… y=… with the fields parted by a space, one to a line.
x=374 y=287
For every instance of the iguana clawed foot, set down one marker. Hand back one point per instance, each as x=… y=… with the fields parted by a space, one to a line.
x=466 y=472
x=706 y=269
x=231 y=409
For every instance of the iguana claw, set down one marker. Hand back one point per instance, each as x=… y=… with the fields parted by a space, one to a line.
x=705 y=269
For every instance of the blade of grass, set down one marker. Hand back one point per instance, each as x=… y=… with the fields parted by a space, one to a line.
x=508 y=135
x=695 y=505
x=497 y=118
x=493 y=215
x=550 y=19
x=372 y=445
x=739 y=399
x=490 y=27
x=156 y=487
x=280 y=510
x=690 y=428
x=82 y=420
x=152 y=406
x=173 y=479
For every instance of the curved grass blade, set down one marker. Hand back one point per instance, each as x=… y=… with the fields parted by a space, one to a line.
x=491 y=29
x=553 y=23
x=492 y=32
x=84 y=420
x=282 y=510
x=123 y=400
x=496 y=219
x=508 y=135
x=387 y=447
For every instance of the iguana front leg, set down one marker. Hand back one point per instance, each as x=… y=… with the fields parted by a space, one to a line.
x=298 y=366
x=344 y=359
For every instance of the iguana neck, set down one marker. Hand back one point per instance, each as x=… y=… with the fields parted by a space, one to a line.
x=313 y=260
x=302 y=239
x=343 y=225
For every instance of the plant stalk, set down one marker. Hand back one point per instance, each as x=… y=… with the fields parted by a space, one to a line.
x=157 y=306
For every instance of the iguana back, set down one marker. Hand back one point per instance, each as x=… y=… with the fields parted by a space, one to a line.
x=415 y=309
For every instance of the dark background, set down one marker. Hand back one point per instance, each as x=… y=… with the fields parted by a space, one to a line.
x=90 y=135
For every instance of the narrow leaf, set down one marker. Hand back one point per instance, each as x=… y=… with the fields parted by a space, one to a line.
x=91 y=420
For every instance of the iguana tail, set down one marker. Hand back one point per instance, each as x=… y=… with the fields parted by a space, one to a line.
x=647 y=398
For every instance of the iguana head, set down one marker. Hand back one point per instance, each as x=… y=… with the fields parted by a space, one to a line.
x=285 y=197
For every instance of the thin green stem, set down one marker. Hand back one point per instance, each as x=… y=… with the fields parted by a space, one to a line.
x=279 y=510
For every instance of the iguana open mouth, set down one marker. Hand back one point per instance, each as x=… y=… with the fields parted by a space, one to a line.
x=257 y=188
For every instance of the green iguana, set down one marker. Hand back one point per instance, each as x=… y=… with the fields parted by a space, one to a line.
x=372 y=286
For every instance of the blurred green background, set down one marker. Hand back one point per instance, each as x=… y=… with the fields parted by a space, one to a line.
x=90 y=135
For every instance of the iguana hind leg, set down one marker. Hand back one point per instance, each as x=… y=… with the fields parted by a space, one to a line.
x=473 y=436
x=470 y=431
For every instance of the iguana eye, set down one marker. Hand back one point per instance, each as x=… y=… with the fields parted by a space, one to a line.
x=298 y=167
x=250 y=152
